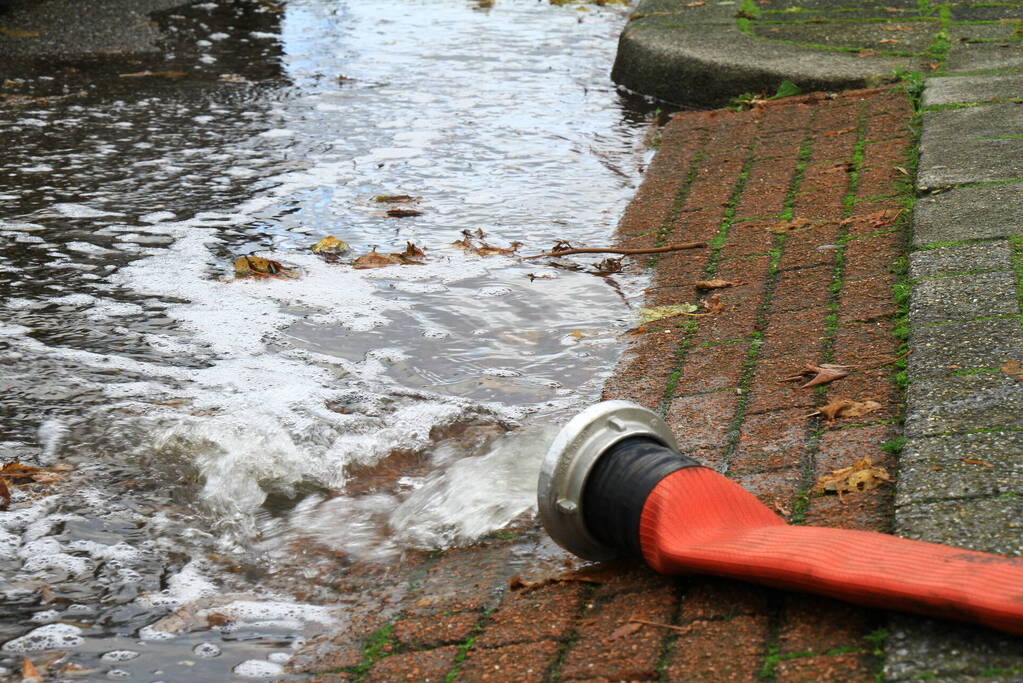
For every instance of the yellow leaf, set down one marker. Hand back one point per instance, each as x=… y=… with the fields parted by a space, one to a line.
x=17 y=33
x=329 y=244
x=648 y=315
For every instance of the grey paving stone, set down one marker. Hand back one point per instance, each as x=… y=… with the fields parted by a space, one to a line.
x=967 y=213
x=953 y=89
x=966 y=12
x=995 y=256
x=991 y=525
x=971 y=145
x=963 y=297
x=969 y=57
x=845 y=34
x=944 y=349
x=962 y=403
x=933 y=468
x=943 y=650
x=1004 y=32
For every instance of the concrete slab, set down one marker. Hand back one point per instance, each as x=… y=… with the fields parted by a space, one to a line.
x=963 y=297
x=944 y=349
x=915 y=37
x=990 y=150
x=970 y=57
x=994 y=256
x=963 y=403
x=954 y=89
x=919 y=648
x=969 y=213
x=960 y=466
x=991 y=525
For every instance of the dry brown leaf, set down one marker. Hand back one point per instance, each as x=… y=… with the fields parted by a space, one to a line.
x=891 y=27
x=844 y=407
x=395 y=198
x=716 y=283
x=974 y=461
x=866 y=53
x=626 y=629
x=518 y=583
x=5 y=494
x=696 y=4
x=1014 y=369
x=860 y=476
x=889 y=40
x=412 y=251
x=786 y=226
x=329 y=244
x=713 y=304
x=403 y=213
x=29 y=672
x=254 y=266
x=373 y=260
x=822 y=374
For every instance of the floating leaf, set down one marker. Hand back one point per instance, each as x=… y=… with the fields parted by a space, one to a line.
x=483 y=249
x=715 y=284
x=5 y=494
x=412 y=251
x=648 y=315
x=373 y=260
x=822 y=374
x=395 y=198
x=844 y=407
x=329 y=244
x=254 y=266
x=29 y=673
x=861 y=476
x=403 y=213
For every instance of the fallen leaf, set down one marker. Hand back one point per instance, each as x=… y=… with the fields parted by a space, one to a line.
x=403 y=213
x=648 y=315
x=329 y=244
x=866 y=53
x=696 y=4
x=5 y=494
x=626 y=629
x=890 y=27
x=17 y=33
x=516 y=582
x=483 y=249
x=713 y=304
x=534 y=276
x=395 y=198
x=577 y=334
x=822 y=374
x=1013 y=368
x=154 y=74
x=254 y=266
x=888 y=41
x=844 y=407
x=974 y=461
x=412 y=251
x=860 y=476
x=373 y=260
x=786 y=226
x=715 y=284
x=608 y=266
x=29 y=673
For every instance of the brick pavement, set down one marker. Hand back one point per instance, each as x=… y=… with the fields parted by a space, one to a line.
x=819 y=292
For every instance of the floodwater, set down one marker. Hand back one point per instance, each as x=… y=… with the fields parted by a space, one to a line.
x=210 y=423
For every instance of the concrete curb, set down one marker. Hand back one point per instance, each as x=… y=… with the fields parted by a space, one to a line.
x=698 y=55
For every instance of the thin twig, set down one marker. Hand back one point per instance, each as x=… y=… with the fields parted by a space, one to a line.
x=631 y=252
x=681 y=629
x=881 y=365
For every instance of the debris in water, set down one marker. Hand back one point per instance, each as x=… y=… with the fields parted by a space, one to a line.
x=395 y=198
x=330 y=244
x=375 y=259
x=483 y=249
x=254 y=266
x=403 y=213
x=154 y=74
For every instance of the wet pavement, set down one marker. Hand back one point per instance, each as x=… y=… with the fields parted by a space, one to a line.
x=244 y=451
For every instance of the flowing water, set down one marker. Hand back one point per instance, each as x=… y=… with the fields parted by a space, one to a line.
x=368 y=412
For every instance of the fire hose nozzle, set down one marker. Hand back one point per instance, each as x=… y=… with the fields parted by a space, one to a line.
x=588 y=439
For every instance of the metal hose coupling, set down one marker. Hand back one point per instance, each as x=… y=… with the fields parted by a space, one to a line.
x=597 y=475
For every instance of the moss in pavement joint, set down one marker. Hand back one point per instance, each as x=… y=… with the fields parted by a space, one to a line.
x=570 y=638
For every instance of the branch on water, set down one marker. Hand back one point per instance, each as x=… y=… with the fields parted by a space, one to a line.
x=629 y=252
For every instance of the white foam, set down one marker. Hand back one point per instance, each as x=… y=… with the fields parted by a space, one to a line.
x=187 y=585
x=258 y=668
x=119 y=655
x=80 y=210
x=49 y=637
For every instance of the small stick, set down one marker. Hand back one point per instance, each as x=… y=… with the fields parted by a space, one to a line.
x=652 y=250
x=673 y=627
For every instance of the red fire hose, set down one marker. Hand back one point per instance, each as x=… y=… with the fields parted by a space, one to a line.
x=613 y=483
